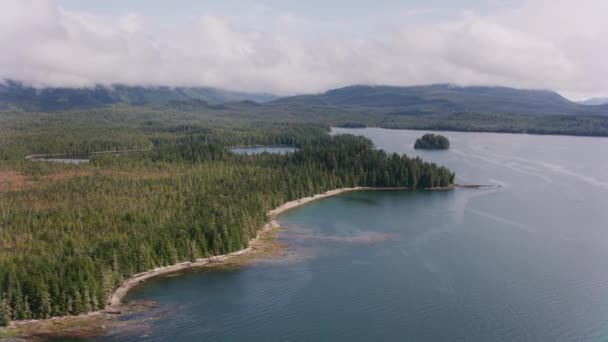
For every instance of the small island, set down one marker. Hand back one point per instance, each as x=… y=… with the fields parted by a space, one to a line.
x=432 y=142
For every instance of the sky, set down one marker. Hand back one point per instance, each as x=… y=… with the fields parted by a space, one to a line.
x=292 y=47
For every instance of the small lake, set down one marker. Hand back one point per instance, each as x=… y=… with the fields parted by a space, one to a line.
x=524 y=262
x=74 y=158
x=251 y=150
x=62 y=158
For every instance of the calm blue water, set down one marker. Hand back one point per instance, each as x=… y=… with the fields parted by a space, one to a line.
x=263 y=149
x=524 y=262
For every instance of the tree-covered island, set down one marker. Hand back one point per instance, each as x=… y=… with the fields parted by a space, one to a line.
x=432 y=142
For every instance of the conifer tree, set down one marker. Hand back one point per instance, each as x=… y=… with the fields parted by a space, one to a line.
x=45 y=308
x=5 y=311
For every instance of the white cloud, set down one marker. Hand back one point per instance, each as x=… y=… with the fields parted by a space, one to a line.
x=130 y=23
x=557 y=44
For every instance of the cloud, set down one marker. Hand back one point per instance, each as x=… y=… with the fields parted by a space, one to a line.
x=558 y=44
x=130 y=23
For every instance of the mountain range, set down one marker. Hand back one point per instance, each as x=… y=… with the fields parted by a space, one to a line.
x=15 y=95
x=445 y=99
x=386 y=100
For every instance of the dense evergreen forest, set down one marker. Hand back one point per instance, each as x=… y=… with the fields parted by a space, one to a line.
x=70 y=233
x=432 y=142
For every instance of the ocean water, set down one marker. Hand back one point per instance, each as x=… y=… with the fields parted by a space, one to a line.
x=523 y=260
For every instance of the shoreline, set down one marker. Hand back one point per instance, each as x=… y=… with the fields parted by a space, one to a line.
x=115 y=300
x=513 y=132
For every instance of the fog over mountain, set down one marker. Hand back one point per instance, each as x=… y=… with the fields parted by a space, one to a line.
x=413 y=100
x=280 y=47
x=595 y=101
x=16 y=95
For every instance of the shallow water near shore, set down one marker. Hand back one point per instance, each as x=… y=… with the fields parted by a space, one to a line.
x=524 y=262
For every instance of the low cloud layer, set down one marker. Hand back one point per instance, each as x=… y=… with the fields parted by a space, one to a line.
x=558 y=44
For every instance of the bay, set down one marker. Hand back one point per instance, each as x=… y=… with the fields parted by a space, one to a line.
x=525 y=260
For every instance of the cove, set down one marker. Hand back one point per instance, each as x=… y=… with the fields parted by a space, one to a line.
x=523 y=262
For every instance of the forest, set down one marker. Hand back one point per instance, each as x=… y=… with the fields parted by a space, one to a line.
x=69 y=234
x=432 y=142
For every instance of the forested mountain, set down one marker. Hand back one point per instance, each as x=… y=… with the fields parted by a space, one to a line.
x=435 y=107
x=14 y=95
x=414 y=100
x=445 y=99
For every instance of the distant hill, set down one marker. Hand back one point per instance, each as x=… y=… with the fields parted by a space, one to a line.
x=595 y=101
x=444 y=99
x=374 y=101
x=18 y=96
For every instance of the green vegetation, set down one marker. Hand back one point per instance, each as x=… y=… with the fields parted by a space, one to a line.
x=5 y=311
x=435 y=107
x=70 y=233
x=432 y=142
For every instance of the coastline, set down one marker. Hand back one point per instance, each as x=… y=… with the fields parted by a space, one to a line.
x=115 y=300
x=493 y=131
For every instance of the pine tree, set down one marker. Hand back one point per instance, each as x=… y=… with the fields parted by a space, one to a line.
x=193 y=251
x=144 y=258
x=69 y=306
x=45 y=304
x=27 y=312
x=86 y=301
x=5 y=311
x=172 y=251
x=116 y=267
